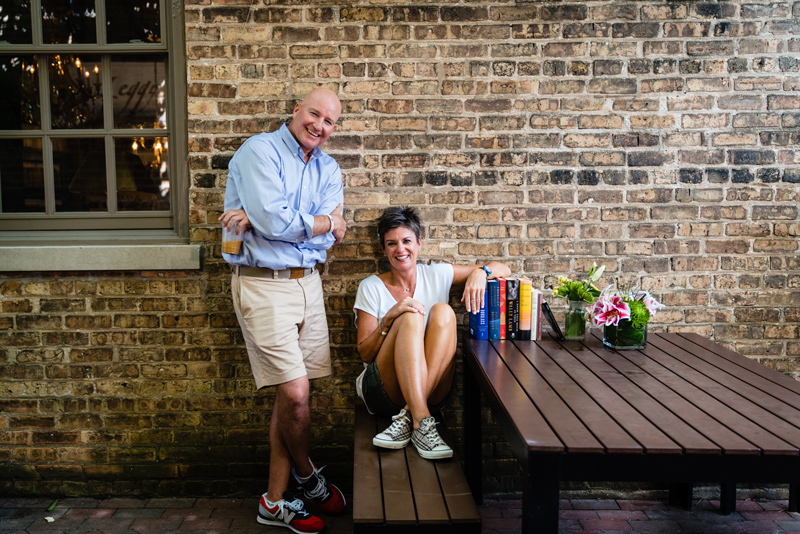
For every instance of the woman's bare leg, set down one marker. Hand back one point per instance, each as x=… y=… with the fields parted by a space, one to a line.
x=403 y=366
x=440 y=350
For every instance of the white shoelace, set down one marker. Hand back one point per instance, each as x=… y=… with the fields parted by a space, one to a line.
x=320 y=491
x=398 y=422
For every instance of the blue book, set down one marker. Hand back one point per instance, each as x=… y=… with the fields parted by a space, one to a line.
x=493 y=291
x=479 y=322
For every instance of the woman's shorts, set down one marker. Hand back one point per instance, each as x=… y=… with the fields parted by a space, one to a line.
x=378 y=402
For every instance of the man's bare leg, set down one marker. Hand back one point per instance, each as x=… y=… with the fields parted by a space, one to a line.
x=289 y=434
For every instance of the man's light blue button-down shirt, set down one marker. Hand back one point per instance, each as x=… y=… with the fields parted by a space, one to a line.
x=280 y=193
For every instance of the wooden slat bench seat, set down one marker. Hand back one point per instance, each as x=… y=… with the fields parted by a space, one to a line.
x=682 y=410
x=397 y=490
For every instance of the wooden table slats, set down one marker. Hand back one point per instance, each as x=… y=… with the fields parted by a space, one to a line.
x=695 y=418
x=746 y=363
x=530 y=424
x=564 y=422
x=682 y=410
x=766 y=392
x=639 y=427
x=602 y=426
x=687 y=437
x=779 y=428
x=726 y=415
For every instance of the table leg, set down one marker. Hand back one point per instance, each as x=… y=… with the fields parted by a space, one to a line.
x=680 y=494
x=794 y=497
x=727 y=498
x=473 y=444
x=540 y=494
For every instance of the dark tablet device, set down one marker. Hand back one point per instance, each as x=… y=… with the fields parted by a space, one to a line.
x=548 y=314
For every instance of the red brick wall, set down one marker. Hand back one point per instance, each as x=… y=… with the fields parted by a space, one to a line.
x=659 y=138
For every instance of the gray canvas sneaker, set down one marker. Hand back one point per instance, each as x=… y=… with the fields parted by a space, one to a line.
x=397 y=435
x=428 y=442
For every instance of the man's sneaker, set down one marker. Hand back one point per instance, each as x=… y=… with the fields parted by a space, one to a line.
x=398 y=434
x=328 y=497
x=427 y=441
x=290 y=513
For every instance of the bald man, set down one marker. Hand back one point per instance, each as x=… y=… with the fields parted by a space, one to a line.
x=285 y=197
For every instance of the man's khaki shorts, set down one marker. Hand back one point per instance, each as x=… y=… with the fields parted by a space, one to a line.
x=285 y=327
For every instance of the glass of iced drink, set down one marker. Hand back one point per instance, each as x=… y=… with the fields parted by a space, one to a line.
x=231 y=242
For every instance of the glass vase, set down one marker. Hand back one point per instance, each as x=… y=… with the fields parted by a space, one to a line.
x=575 y=321
x=624 y=336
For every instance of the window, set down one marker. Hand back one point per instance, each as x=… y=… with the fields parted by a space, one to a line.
x=94 y=104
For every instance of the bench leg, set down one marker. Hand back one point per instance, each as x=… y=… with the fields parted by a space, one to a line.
x=540 y=495
x=794 y=497
x=680 y=494
x=727 y=498
x=473 y=444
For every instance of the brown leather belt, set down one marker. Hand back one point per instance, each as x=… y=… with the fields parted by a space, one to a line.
x=262 y=272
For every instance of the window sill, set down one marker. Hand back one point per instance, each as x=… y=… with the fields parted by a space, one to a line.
x=154 y=257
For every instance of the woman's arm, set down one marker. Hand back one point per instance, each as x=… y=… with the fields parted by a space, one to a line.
x=371 y=333
x=473 y=279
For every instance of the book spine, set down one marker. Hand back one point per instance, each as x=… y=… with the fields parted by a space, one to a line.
x=512 y=308
x=502 y=285
x=493 y=290
x=536 y=314
x=524 y=333
x=479 y=322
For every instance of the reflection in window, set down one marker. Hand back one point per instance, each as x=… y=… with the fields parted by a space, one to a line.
x=139 y=85
x=142 y=173
x=134 y=21
x=21 y=176
x=76 y=95
x=19 y=85
x=79 y=167
x=15 y=22
x=69 y=21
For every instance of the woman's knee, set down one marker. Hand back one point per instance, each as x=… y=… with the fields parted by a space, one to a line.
x=442 y=315
x=409 y=320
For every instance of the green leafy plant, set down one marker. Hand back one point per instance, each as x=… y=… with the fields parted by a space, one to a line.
x=582 y=290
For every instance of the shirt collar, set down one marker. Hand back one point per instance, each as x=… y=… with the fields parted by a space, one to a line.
x=294 y=146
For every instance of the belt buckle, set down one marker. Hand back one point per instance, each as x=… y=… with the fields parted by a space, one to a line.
x=296 y=272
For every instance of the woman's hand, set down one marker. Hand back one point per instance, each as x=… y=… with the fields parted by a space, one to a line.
x=407 y=305
x=474 y=290
x=235 y=217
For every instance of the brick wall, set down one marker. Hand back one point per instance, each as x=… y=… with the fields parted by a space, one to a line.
x=659 y=138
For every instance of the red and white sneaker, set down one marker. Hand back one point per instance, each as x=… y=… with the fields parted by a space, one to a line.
x=289 y=513
x=327 y=497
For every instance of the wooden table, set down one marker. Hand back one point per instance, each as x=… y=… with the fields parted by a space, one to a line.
x=683 y=410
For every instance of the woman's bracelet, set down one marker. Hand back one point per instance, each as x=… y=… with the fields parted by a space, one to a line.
x=382 y=325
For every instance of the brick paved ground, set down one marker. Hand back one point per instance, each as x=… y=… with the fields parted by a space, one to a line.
x=237 y=516
x=608 y=516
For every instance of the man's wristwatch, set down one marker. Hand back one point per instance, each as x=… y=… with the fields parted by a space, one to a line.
x=487 y=271
x=331 y=219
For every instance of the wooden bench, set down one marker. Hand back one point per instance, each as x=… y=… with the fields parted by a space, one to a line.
x=683 y=410
x=397 y=490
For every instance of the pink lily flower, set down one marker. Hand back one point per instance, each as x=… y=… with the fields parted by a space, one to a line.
x=649 y=302
x=608 y=311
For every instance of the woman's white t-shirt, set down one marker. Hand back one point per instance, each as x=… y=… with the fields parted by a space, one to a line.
x=433 y=286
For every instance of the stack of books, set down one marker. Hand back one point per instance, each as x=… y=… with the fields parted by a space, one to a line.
x=513 y=310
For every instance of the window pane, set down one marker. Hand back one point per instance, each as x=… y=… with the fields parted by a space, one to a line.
x=15 y=22
x=79 y=167
x=19 y=91
x=21 y=176
x=139 y=91
x=134 y=21
x=142 y=173
x=68 y=21
x=76 y=94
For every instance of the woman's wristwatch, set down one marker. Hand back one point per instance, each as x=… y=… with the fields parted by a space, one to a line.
x=487 y=271
x=381 y=327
